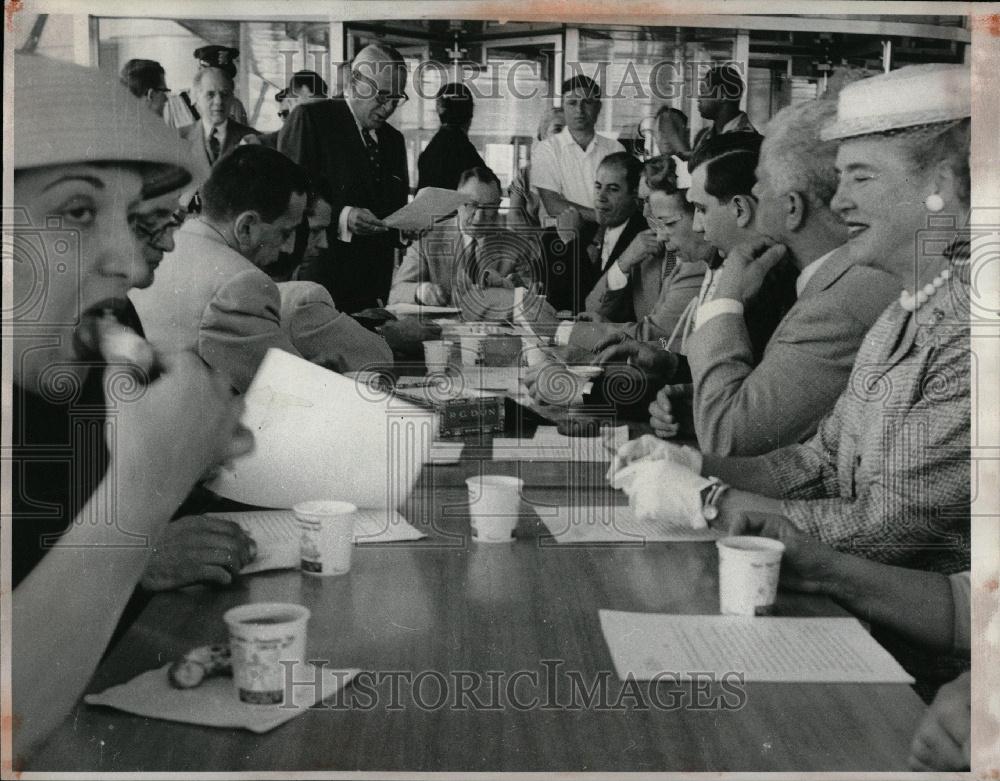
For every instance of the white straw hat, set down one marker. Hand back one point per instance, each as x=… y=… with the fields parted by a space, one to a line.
x=908 y=97
x=66 y=114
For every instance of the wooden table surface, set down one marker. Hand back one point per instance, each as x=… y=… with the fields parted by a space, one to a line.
x=448 y=606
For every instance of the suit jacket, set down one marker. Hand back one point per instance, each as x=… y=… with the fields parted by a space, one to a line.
x=330 y=338
x=208 y=298
x=677 y=291
x=443 y=256
x=743 y=409
x=195 y=135
x=449 y=153
x=325 y=140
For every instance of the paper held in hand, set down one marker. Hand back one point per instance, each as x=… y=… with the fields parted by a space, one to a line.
x=318 y=433
x=430 y=205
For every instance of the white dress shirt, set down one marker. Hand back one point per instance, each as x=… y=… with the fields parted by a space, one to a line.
x=559 y=164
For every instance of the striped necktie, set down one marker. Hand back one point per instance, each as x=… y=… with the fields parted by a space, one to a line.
x=373 y=157
x=214 y=147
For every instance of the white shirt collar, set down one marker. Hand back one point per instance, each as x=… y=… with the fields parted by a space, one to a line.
x=220 y=131
x=611 y=236
x=809 y=271
x=370 y=133
x=566 y=139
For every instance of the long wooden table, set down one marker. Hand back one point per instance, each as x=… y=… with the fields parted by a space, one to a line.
x=525 y=612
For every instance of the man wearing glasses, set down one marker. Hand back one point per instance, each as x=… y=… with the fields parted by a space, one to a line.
x=146 y=80
x=348 y=144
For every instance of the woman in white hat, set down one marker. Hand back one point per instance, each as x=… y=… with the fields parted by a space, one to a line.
x=887 y=474
x=98 y=467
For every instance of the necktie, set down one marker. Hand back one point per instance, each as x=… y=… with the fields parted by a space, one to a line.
x=596 y=247
x=373 y=158
x=213 y=145
x=668 y=265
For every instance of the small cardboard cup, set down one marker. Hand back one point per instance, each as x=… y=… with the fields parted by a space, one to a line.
x=262 y=635
x=494 y=506
x=748 y=574
x=326 y=536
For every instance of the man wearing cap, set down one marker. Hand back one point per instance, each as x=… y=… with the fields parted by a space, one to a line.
x=450 y=152
x=223 y=58
x=564 y=166
x=349 y=144
x=216 y=133
x=303 y=87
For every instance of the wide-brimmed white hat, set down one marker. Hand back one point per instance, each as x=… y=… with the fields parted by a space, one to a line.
x=65 y=114
x=908 y=97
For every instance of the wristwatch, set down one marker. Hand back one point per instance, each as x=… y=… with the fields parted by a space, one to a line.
x=711 y=495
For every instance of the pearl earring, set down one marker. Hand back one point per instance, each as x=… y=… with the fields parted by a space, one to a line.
x=934 y=203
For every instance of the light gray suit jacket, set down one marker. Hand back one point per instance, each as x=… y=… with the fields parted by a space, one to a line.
x=633 y=302
x=741 y=409
x=679 y=288
x=327 y=336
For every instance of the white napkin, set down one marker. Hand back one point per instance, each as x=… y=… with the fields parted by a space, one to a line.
x=664 y=490
x=215 y=703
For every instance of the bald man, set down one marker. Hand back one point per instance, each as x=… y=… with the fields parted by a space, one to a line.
x=347 y=144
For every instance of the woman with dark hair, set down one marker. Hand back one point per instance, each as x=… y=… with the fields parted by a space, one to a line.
x=450 y=151
x=109 y=438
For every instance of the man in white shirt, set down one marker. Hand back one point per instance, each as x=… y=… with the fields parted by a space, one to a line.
x=564 y=166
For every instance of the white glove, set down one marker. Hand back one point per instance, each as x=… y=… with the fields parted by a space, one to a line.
x=648 y=447
x=660 y=490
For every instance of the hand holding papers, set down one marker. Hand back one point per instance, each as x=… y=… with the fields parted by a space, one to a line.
x=431 y=204
x=319 y=434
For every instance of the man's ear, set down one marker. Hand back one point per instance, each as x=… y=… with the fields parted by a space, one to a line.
x=245 y=228
x=743 y=207
x=795 y=210
x=149 y=94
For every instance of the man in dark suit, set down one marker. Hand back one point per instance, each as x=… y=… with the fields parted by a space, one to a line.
x=215 y=133
x=347 y=143
x=572 y=273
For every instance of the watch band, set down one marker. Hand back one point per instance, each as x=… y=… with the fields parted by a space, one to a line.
x=711 y=495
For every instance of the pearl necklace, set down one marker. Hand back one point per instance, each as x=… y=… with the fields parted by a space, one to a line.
x=911 y=303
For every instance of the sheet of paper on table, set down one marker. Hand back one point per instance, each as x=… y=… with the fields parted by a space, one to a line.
x=576 y=524
x=403 y=308
x=214 y=703
x=318 y=434
x=772 y=650
x=429 y=205
x=549 y=445
x=276 y=534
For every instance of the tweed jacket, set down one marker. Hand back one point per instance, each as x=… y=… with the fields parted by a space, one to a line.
x=887 y=474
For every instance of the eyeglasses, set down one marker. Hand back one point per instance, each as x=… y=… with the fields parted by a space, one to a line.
x=657 y=224
x=382 y=97
x=153 y=236
x=397 y=100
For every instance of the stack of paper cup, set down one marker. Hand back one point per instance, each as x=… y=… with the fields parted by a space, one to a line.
x=262 y=635
x=748 y=574
x=326 y=530
x=437 y=355
x=472 y=349
x=494 y=506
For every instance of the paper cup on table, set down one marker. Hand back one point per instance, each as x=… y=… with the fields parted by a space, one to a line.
x=326 y=536
x=437 y=355
x=748 y=575
x=534 y=355
x=472 y=349
x=494 y=506
x=262 y=635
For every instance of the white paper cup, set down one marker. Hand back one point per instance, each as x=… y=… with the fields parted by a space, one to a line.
x=326 y=536
x=472 y=349
x=437 y=355
x=261 y=636
x=748 y=574
x=494 y=506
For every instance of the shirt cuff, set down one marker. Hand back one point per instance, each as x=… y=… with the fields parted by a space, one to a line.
x=563 y=332
x=342 y=231
x=617 y=279
x=716 y=307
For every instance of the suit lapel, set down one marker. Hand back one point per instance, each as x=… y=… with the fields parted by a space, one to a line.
x=635 y=225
